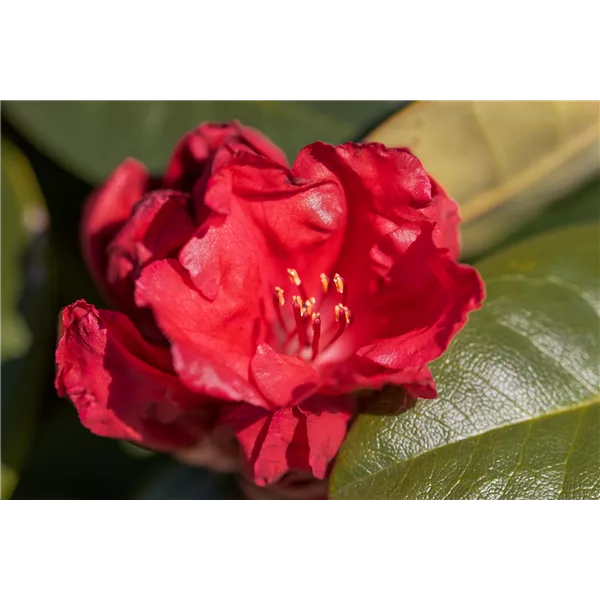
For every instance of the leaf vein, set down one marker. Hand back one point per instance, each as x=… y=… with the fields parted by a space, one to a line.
x=552 y=279
x=549 y=356
x=572 y=451
x=519 y=460
x=411 y=459
x=466 y=467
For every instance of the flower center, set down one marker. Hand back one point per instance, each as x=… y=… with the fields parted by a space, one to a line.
x=310 y=333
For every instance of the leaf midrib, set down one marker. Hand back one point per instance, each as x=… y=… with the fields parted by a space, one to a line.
x=581 y=406
x=485 y=202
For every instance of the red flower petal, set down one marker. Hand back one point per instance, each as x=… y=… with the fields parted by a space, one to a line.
x=273 y=443
x=425 y=327
x=194 y=153
x=298 y=439
x=223 y=257
x=107 y=210
x=360 y=373
x=280 y=452
x=420 y=384
x=263 y=223
x=211 y=349
x=422 y=299
x=382 y=190
x=121 y=385
x=385 y=190
x=444 y=212
x=142 y=239
x=296 y=218
x=158 y=226
x=327 y=423
x=250 y=424
x=393 y=177
x=283 y=380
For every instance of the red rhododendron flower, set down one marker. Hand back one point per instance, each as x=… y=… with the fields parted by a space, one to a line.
x=253 y=298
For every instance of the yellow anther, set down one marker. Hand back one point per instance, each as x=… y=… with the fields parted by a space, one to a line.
x=294 y=277
x=338 y=281
x=279 y=295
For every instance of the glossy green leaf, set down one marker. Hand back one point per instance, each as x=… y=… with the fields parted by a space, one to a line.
x=518 y=414
x=91 y=138
x=24 y=308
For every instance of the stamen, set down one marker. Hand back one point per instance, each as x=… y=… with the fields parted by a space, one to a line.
x=337 y=309
x=297 y=302
x=304 y=311
x=279 y=296
x=300 y=322
x=279 y=301
x=294 y=278
x=341 y=287
x=316 y=325
x=348 y=315
x=308 y=306
x=343 y=317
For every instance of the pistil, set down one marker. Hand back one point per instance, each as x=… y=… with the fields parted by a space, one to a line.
x=316 y=327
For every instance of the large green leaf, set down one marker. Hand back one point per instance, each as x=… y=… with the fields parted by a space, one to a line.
x=24 y=308
x=91 y=138
x=518 y=414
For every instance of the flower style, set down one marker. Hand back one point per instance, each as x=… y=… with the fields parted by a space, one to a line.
x=252 y=299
